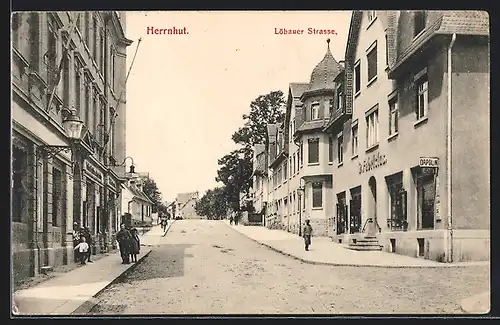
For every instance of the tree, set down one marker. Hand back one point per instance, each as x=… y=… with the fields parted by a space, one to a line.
x=150 y=188
x=265 y=109
x=213 y=204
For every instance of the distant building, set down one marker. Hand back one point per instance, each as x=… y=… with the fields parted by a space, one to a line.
x=184 y=205
x=136 y=203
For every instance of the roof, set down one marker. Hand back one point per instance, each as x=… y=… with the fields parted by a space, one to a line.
x=298 y=89
x=183 y=198
x=466 y=22
x=138 y=193
x=325 y=71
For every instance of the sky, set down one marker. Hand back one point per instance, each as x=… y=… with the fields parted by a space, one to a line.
x=186 y=94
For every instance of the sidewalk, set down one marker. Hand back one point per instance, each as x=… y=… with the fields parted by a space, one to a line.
x=74 y=291
x=477 y=304
x=324 y=251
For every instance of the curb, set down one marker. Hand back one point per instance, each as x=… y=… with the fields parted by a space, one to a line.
x=348 y=264
x=90 y=303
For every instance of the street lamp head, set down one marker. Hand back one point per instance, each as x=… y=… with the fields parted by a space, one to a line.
x=72 y=125
x=132 y=169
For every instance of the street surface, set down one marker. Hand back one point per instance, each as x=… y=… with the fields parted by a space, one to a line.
x=205 y=267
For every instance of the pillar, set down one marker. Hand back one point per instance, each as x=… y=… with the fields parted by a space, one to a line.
x=47 y=212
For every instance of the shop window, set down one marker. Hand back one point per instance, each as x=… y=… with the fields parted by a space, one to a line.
x=19 y=184
x=397 y=203
x=317 y=195
x=426 y=193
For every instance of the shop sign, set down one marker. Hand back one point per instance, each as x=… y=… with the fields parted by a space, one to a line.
x=429 y=162
x=372 y=162
x=93 y=171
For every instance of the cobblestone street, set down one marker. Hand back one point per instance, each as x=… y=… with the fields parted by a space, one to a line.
x=205 y=267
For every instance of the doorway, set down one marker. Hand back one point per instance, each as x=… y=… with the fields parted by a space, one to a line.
x=355 y=210
x=371 y=224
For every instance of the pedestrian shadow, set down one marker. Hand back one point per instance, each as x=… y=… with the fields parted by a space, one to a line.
x=165 y=261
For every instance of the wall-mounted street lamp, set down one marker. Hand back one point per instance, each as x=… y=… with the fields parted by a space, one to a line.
x=73 y=128
x=131 y=172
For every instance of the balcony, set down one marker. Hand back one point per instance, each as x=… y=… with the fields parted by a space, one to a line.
x=338 y=117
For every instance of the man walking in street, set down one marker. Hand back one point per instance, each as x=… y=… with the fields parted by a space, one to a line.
x=307 y=233
x=124 y=238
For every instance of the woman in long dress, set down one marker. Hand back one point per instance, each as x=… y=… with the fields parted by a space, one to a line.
x=135 y=245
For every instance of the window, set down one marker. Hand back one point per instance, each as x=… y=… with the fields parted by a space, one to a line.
x=293 y=163
x=317 y=195
x=330 y=149
x=419 y=22
x=357 y=78
x=280 y=176
x=340 y=97
x=422 y=98
x=354 y=143
x=285 y=171
x=397 y=202
x=112 y=69
x=301 y=153
x=51 y=55
x=372 y=63
x=393 y=117
x=313 y=151
x=372 y=14
x=34 y=41
x=95 y=40
x=340 y=148
x=372 y=129
x=315 y=111
x=56 y=197
x=330 y=107
x=386 y=51
x=19 y=186
x=102 y=51
x=78 y=96
x=88 y=106
x=87 y=28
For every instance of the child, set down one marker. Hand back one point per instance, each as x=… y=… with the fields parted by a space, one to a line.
x=135 y=245
x=82 y=248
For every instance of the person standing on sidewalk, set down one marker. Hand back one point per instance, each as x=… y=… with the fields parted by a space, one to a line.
x=82 y=248
x=135 y=246
x=307 y=233
x=123 y=237
x=76 y=240
x=88 y=239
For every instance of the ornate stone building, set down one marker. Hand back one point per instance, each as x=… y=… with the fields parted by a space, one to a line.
x=52 y=186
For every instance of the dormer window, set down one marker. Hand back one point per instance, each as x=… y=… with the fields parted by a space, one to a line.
x=315 y=111
x=418 y=22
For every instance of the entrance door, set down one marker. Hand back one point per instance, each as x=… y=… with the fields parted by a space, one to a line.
x=342 y=217
x=425 y=198
x=371 y=223
x=355 y=211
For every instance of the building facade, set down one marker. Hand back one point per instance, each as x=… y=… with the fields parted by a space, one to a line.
x=300 y=180
x=412 y=160
x=53 y=189
x=185 y=203
x=136 y=204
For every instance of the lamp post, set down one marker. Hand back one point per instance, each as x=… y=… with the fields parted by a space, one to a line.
x=300 y=191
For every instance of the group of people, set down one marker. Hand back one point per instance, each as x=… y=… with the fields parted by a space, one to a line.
x=127 y=238
x=82 y=240
x=129 y=243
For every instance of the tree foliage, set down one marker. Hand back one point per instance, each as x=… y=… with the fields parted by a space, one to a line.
x=150 y=188
x=235 y=168
x=213 y=204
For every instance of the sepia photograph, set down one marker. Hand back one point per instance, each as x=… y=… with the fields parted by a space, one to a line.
x=176 y=163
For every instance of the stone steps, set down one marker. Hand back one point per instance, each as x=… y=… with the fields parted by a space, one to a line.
x=367 y=243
